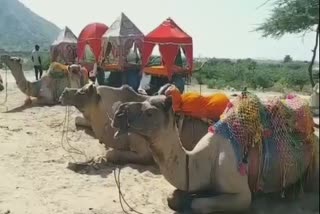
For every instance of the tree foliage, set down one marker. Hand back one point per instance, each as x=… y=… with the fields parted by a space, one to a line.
x=291 y=16
x=287 y=58
x=222 y=73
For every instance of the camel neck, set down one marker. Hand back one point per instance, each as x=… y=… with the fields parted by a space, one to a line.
x=172 y=158
x=16 y=70
x=97 y=120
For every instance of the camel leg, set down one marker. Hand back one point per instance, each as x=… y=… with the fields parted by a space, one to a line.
x=125 y=157
x=81 y=121
x=312 y=181
x=222 y=203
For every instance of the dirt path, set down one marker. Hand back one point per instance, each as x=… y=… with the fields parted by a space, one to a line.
x=34 y=178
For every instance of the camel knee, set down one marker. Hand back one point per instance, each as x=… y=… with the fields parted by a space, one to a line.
x=179 y=201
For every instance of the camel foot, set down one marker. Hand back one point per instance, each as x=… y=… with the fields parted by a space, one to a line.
x=179 y=201
x=80 y=121
x=28 y=101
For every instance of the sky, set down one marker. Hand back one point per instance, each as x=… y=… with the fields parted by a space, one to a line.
x=219 y=28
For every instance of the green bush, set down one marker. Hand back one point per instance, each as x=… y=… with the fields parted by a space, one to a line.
x=219 y=73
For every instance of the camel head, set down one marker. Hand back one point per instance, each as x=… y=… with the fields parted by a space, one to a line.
x=81 y=98
x=75 y=75
x=14 y=63
x=151 y=119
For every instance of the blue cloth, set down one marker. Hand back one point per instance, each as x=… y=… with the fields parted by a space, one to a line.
x=133 y=78
x=179 y=82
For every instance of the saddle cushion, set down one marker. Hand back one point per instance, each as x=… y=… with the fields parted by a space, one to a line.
x=198 y=106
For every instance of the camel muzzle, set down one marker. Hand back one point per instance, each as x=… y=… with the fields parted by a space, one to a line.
x=66 y=96
x=121 y=123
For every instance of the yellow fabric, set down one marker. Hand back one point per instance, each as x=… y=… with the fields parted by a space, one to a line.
x=56 y=67
x=161 y=70
x=198 y=106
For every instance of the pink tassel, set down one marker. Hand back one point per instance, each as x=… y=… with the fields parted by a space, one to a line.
x=243 y=169
x=211 y=129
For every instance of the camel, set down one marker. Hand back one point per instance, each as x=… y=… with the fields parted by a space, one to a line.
x=207 y=179
x=48 y=89
x=96 y=102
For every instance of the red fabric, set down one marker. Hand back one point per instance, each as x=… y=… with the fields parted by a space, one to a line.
x=168 y=32
x=169 y=53
x=170 y=37
x=146 y=53
x=91 y=35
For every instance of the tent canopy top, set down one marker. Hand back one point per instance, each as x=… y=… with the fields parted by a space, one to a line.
x=123 y=27
x=168 y=32
x=65 y=36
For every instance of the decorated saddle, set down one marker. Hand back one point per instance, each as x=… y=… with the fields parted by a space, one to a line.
x=274 y=129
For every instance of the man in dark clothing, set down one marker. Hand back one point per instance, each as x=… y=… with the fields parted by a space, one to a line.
x=36 y=59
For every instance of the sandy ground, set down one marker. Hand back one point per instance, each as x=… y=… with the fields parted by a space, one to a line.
x=34 y=177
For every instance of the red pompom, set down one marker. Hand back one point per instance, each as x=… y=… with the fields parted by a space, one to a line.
x=211 y=129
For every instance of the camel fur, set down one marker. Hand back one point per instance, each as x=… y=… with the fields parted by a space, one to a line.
x=48 y=89
x=207 y=178
x=98 y=103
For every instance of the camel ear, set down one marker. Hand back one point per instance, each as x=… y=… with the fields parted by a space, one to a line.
x=168 y=103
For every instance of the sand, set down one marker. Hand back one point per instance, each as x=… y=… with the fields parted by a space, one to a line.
x=34 y=177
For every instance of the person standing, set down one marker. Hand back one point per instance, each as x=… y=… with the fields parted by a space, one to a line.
x=36 y=59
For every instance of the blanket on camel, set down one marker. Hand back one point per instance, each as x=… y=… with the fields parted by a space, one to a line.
x=280 y=129
x=198 y=106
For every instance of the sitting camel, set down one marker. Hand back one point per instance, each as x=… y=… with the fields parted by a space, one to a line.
x=208 y=178
x=48 y=89
x=95 y=102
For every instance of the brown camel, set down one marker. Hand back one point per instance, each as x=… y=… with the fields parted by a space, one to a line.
x=207 y=178
x=48 y=89
x=96 y=102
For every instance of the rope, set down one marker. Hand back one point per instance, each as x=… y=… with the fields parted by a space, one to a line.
x=65 y=131
x=121 y=197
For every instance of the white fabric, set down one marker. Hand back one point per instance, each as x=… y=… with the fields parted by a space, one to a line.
x=145 y=82
x=93 y=72
x=35 y=55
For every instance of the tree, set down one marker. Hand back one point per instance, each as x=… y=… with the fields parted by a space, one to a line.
x=292 y=17
x=287 y=59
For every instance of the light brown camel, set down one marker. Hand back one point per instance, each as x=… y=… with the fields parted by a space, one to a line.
x=207 y=178
x=96 y=102
x=48 y=89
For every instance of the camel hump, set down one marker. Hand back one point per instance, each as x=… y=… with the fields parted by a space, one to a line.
x=128 y=88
